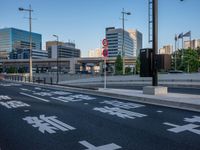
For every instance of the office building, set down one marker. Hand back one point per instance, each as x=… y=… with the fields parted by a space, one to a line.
x=12 y=38
x=193 y=44
x=115 y=40
x=64 y=50
x=95 y=52
x=167 y=49
x=137 y=40
x=25 y=54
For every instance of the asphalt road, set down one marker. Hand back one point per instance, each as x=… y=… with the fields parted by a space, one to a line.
x=41 y=118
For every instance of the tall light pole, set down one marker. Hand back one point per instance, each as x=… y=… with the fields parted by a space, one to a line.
x=57 y=75
x=30 y=38
x=155 y=42
x=123 y=52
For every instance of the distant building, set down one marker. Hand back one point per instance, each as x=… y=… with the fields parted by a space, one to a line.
x=115 y=38
x=167 y=49
x=193 y=44
x=4 y=55
x=95 y=53
x=64 y=50
x=137 y=39
x=25 y=54
x=53 y=43
x=12 y=38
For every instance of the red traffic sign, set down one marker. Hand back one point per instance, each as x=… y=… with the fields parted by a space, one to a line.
x=105 y=52
x=105 y=42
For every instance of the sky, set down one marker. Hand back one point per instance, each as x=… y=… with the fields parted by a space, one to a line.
x=84 y=21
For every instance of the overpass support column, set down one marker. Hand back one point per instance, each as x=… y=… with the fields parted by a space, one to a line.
x=72 y=66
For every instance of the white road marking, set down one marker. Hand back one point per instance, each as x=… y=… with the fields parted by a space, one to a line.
x=34 y=97
x=193 y=120
x=4 y=97
x=23 y=89
x=123 y=104
x=187 y=127
x=89 y=146
x=73 y=98
x=159 y=111
x=119 y=112
x=14 y=104
x=48 y=124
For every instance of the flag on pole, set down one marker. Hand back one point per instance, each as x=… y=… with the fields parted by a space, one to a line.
x=180 y=35
x=187 y=34
x=176 y=37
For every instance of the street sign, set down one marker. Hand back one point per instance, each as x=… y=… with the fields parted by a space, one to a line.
x=105 y=52
x=105 y=42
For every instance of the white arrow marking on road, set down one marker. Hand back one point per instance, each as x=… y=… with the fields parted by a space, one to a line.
x=34 y=97
x=111 y=146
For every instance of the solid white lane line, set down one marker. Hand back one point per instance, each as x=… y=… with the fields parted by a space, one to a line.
x=34 y=97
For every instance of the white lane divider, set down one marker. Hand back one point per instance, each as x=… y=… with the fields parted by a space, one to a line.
x=34 y=97
x=89 y=146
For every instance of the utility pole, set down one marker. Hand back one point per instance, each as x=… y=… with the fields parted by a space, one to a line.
x=155 y=42
x=123 y=51
x=57 y=75
x=30 y=39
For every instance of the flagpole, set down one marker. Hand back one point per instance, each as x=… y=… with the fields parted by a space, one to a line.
x=175 y=52
x=190 y=40
x=182 y=52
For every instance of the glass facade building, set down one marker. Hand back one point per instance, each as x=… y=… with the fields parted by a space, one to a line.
x=115 y=40
x=12 y=38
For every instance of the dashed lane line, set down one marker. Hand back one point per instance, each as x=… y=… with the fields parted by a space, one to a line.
x=34 y=97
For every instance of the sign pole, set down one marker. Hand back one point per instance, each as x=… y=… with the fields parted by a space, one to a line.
x=105 y=54
x=104 y=72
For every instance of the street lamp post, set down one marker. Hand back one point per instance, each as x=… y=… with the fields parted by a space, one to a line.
x=57 y=75
x=155 y=42
x=123 y=52
x=30 y=38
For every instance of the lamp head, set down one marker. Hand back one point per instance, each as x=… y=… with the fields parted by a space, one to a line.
x=21 y=9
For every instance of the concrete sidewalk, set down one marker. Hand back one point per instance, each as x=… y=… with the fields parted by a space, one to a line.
x=175 y=100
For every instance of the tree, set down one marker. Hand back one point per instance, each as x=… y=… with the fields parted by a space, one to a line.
x=188 y=62
x=137 y=66
x=118 y=65
x=128 y=70
x=12 y=70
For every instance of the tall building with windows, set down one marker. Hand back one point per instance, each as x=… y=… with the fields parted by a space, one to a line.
x=167 y=49
x=137 y=40
x=12 y=38
x=115 y=39
x=193 y=44
x=132 y=41
x=64 y=50
x=95 y=52
x=25 y=54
